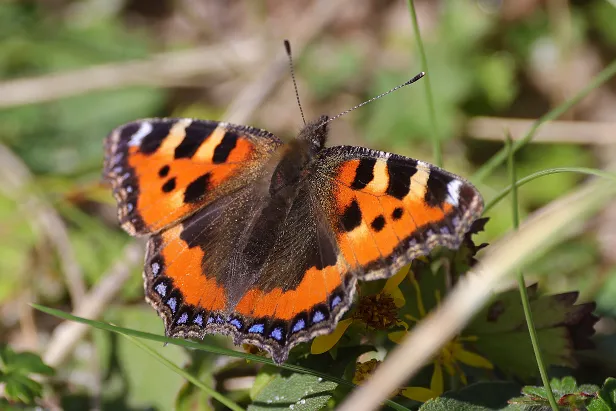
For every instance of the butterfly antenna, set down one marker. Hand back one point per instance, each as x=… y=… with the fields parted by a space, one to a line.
x=287 y=47
x=411 y=81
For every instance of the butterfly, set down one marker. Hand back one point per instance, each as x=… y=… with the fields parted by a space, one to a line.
x=265 y=241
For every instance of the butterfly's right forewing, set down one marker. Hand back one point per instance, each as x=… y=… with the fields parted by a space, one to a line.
x=386 y=209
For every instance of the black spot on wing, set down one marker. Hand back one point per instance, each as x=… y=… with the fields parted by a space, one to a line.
x=436 y=192
x=364 y=173
x=224 y=148
x=400 y=173
x=152 y=141
x=378 y=223
x=164 y=171
x=169 y=185
x=351 y=218
x=197 y=188
x=397 y=213
x=195 y=135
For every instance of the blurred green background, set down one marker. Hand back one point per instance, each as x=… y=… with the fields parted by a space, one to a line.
x=70 y=71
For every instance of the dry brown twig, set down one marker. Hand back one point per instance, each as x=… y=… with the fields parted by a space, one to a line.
x=559 y=131
x=548 y=226
x=66 y=335
x=161 y=70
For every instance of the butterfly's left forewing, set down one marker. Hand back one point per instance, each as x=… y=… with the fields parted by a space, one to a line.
x=163 y=170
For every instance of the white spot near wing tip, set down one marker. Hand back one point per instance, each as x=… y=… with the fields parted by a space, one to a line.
x=144 y=130
x=453 y=188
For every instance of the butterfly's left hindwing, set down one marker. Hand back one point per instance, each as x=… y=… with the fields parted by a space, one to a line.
x=211 y=273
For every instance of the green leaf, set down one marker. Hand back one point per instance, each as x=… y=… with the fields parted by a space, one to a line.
x=22 y=389
x=299 y=392
x=189 y=397
x=608 y=393
x=16 y=370
x=503 y=338
x=483 y=396
x=533 y=391
x=266 y=375
x=140 y=381
x=567 y=393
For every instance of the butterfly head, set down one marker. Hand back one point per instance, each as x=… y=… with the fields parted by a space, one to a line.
x=315 y=133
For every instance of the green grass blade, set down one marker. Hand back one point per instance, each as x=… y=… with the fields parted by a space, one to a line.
x=200 y=346
x=436 y=142
x=553 y=114
x=209 y=391
x=528 y=314
x=581 y=170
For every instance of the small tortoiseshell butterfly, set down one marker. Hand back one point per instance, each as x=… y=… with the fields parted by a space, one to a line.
x=265 y=241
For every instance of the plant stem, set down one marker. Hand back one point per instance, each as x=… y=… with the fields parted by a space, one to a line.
x=553 y=114
x=436 y=142
x=521 y=284
x=549 y=171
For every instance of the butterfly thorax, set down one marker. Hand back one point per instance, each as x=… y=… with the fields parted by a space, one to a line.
x=298 y=154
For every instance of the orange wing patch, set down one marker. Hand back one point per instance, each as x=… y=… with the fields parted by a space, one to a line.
x=164 y=170
x=314 y=289
x=381 y=203
x=184 y=266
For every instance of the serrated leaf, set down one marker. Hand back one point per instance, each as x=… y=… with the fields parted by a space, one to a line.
x=598 y=405
x=566 y=385
x=483 y=396
x=608 y=393
x=28 y=362
x=297 y=392
x=265 y=376
x=503 y=335
x=535 y=391
x=16 y=369
x=566 y=392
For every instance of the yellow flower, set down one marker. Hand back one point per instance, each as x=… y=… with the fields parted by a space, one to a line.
x=324 y=343
x=392 y=287
x=377 y=311
x=380 y=311
x=422 y=394
x=450 y=356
